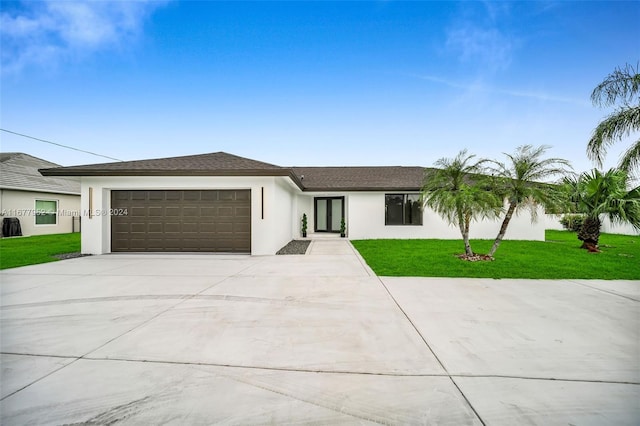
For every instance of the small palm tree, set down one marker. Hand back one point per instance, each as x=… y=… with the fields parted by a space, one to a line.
x=459 y=194
x=518 y=181
x=599 y=195
x=621 y=86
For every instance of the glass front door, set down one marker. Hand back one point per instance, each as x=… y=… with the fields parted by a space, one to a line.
x=329 y=212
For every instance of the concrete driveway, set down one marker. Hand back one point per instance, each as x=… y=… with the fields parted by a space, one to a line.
x=315 y=339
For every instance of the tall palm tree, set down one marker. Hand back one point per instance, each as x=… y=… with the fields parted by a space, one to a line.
x=598 y=195
x=622 y=87
x=518 y=181
x=459 y=194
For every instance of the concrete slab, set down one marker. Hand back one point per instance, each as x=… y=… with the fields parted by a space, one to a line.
x=71 y=328
x=19 y=371
x=188 y=266
x=70 y=288
x=505 y=401
x=330 y=247
x=92 y=392
x=272 y=333
x=89 y=265
x=167 y=337
x=309 y=265
x=361 y=291
x=531 y=328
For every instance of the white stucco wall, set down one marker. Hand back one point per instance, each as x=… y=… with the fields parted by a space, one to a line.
x=553 y=222
x=304 y=204
x=22 y=204
x=268 y=234
x=365 y=220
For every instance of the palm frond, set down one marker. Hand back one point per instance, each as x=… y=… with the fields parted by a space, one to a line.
x=616 y=126
x=630 y=160
x=622 y=84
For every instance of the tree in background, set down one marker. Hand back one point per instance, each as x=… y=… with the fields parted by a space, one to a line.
x=459 y=194
x=519 y=181
x=622 y=88
x=598 y=195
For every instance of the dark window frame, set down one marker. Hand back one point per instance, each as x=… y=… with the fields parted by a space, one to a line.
x=315 y=213
x=408 y=216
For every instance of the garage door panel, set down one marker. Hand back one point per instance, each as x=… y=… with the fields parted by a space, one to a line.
x=190 y=212
x=172 y=211
x=243 y=195
x=242 y=212
x=174 y=220
x=226 y=195
x=241 y=228
x=138 y=195
x=225 y=211
x=209 y=195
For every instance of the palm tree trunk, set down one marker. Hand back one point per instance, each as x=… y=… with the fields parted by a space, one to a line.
x=465 y=237
x=464 y=229
x=503 y=228
x=589 y=233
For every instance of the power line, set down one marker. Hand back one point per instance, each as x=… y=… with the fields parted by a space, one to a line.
x=59 y=144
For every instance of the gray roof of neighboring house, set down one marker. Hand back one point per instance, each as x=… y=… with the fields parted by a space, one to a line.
x=390 y=178
x=19 y=171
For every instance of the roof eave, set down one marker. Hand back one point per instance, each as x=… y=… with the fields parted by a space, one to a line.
x=177 y=172
x=46 y=191
x=362 y=189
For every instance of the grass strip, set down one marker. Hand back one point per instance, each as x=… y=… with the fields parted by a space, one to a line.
x=23 y=251
x=559 y=257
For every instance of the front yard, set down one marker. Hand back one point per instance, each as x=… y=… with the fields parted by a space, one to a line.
x=22 y=251
x=559 y=257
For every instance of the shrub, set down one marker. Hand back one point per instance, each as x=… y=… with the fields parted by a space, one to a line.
x=572 y=222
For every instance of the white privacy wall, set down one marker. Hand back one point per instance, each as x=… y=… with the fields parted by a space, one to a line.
x=268 y=234
x=552 y=221
x=365 y=220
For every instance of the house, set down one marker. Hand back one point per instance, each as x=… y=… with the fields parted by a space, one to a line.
x=41 y=204
x=220 y=202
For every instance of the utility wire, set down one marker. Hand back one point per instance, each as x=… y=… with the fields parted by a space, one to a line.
x=59 y=144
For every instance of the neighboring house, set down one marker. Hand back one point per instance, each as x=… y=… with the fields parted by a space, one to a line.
x=43 y=205
x=224 y=203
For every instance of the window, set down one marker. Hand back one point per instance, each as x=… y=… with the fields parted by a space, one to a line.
x=46 y=212
x=403 y=209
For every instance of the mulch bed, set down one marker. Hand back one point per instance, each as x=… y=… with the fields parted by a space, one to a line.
x=295 y=247
x=64 y=256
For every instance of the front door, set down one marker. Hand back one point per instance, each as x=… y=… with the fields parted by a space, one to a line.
x=329 y=212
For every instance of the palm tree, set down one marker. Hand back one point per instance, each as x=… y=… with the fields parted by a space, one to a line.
x=459 y=195
x=518 y=181
x=621 y=86
x=598 y=195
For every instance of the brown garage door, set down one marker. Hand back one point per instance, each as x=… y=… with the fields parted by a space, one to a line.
x=173 y=221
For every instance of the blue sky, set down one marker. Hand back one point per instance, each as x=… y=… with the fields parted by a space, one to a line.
x=309 y=83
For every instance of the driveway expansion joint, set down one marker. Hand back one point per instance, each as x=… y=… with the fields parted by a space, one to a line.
x=611 y=293
x=432 y=352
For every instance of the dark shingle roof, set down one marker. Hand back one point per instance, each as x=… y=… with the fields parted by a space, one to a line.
x=203 y=164
x=19 y=171
x=388 y=178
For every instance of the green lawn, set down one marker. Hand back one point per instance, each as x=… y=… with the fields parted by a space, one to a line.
x=559 y=257
x=22 y=251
